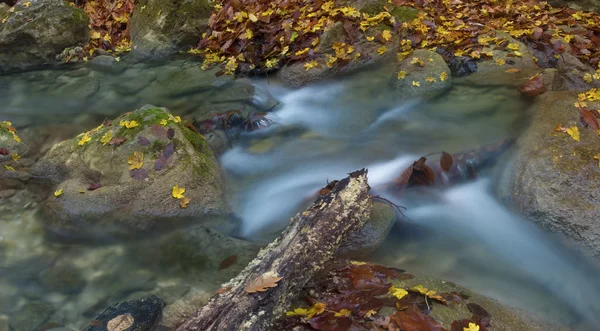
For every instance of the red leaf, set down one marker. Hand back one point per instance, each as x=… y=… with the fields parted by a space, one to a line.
x=117 y=141
x=228 y=262
x=170 y=133
x=143 y=141
x=162 y=162
x=4 y=151
x=533 y=87
x=589 y=118
x=139 y=174
x=446 y=161
x=404 y=176
x=94 y=187
x=159 y=131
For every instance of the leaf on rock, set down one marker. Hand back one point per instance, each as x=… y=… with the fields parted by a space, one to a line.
x=170 y=133
x=533 y=87
x=4 y=151
x=159 y=131
x=471 y=327
x=135 y=161
x=106 y=138
x=589 y=118
x=227 y=262
x=177 y=192
x=15 y=157
x=513 y=71
x=184 y=202
x=117 y=141
x=143 y=141
x=574 y=133
x=413 y=319
x=446 y=161
x=399 y=293
x=343 y=313
x=120 y=323
x=58 y=193
x=139 y=174
x=169 y=150
x=162 y=162
x=9 y=168
x=263 y=282
x=94 y=187
x=597 y=157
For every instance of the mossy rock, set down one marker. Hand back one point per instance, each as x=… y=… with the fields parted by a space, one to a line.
x=33 y=35
x=130 y=202
x=400 y=13
x=422 y=73
x=373 y=233
x=160 y=28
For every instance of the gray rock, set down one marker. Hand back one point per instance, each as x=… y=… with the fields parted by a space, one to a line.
x=105 y=63
x=3 y=318
x=145 y=313
x=63 y=278
x=160 y=28
x=33 y=35
x=373 y=232
x=433 y=67
x=555 y=180
x=31 y=316
x=125 y=205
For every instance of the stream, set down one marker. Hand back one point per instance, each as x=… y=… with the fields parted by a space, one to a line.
x=464 y=233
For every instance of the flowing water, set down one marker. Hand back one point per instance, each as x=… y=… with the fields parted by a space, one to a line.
x=462 y=233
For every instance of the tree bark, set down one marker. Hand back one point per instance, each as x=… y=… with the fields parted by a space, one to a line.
x=304 y=248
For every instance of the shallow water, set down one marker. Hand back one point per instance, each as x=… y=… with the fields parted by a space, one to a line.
x=461 y=233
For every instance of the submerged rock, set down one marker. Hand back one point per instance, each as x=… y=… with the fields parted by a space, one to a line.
x=140 y=315
x=555 y=180
x=119 y=178
x=160 y=28
x=34 y=34
x=31 y=316
x=63 y=278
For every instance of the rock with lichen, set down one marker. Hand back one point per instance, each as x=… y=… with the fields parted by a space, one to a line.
x=122 y=178
x=422 y=73
x=32 y=33
x=160 y=28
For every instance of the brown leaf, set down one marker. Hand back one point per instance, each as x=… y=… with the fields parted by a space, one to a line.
x=4 y=151
x=117 y=141
x=589 y=118
x=446 y=161
x=169 y=150
x=94 y=187
x=513 y=71
x=262 y=283
x=414 y=320
x=533 y=87
x=170 y=133
x=404 y=176
x=139 y=174
x=162 y=162
x=96 y=323
x=159 y=131
x=143 y=141
x=228 y=262
x=120 y=323
x=223 y=290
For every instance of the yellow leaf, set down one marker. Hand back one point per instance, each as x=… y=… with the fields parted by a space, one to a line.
x=587 y=77
x=387 y=35
x=597 y=157
x=315 y=42
x=370 y=38
x=381 y=50
x=316 y=309
x=472 y=327
x=416 y=83
x=513 y=71
x=398 y=292
x=271 y=63
x=163 y=122
x=513 y=47
x=443 y=76
x=343 y=313
x=518 y=54
x=300 y=52
x=106 y=138
x=574 y=133
x=500 y=62
x=310 y=65
x=252 y=17
x=370 y=313
x=178 y=192
x=248 y=34
x=297 y=312
x=58 y=193
x=27 y=4
x=401 y=74
x=86 y=138
x=135 y=161
x=431 y=80
x=184 y=202
x=15 y=156
x=357 y=263
x=129 y=124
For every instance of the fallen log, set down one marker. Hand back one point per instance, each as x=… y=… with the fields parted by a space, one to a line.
x=261 y=294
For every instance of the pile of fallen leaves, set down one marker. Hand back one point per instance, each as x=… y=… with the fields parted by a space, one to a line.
x=109 y=24
x=355 y=296
x=262 y=34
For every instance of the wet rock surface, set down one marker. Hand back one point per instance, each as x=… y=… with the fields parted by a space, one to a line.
x=31 y=316
x=33 y=35
x=140 y=315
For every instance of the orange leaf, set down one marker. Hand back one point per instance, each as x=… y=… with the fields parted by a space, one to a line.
x=513 y=71
x=263 y=282
x=446 y=161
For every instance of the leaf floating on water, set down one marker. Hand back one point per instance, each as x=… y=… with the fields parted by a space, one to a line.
x=143 y=141
x=170 y=133
x=120 y=323
x=446 y=161
x=94 y=187
x=177 y=192
x=139 y=174
x=135 y=161
x=58 y=193
x=263 y=282
x=228 y=262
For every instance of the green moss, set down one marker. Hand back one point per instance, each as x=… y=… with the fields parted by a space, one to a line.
x=157 y=146
x=197 y=140
x=404 y=13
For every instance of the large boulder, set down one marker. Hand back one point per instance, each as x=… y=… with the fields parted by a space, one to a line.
x=372 y=234
x=120 y=177
x=555 y=180
x=159 y=28
x=423 y=73
x=34 y=32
